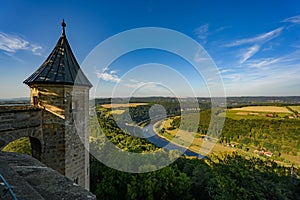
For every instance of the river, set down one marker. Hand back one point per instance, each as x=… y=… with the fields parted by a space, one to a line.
x=149 y=134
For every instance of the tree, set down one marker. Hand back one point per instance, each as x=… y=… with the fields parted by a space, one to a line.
x=167 y=183
x=236 y=177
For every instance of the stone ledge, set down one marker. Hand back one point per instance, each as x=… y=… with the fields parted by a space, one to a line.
x=33 y=180
x=12 y=109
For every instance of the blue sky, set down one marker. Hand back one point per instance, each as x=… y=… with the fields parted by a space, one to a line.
x=254 y=44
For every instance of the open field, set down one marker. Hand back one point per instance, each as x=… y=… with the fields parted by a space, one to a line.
x=123 y=105
x=292 y=159
x=117 y=111
x=295 y=108
x=185 y=138
x=271 y=109
x=237 y=115
x=260 y=112
x=181 y=137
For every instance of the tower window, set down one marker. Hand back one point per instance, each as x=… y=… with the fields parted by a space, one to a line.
x=76 y=180
x=70 y=108
x=73 y=106
x=35 y=100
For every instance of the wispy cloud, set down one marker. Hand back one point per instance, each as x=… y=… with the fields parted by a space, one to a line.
x=132 y=83
x=108 y=75
x=263 y=62
x=294 y=19
x=222 y=28
x=265 y=76
x=268 y=79
x=232 y=77
x=200 y=56
x=256 y=43
x=292 y=57
x=223 y=71
x=296 y=46
x=249 y=53
x=205 y=31
x=12 y=44
x=202 y=32
x=262 y=38
x=36 y=50
x=148 y=88
x=269 y=63
x=111 y=76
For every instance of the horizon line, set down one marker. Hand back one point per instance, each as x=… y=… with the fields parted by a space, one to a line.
x=120 y=97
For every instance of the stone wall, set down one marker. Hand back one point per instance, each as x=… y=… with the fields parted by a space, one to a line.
x=32 y=179
x=65 y=128
x=78 y=138
x=19 y=121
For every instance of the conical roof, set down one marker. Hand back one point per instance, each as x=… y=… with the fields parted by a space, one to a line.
x=60 y=67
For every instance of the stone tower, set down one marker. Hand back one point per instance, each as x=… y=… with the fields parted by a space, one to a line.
x=61 y=90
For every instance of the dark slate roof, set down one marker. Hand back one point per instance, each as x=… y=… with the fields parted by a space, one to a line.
x=60 y=67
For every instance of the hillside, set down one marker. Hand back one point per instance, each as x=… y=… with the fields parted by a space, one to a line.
x=224 y=175
x=266 y=131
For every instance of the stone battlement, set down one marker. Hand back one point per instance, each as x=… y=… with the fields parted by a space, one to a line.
x=17 y=108
x=18 y=117
x=31 y=179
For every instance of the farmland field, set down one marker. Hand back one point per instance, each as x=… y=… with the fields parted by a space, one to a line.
x=117 y=111
x=295 y=108
x=271 y=109
x=123 y=105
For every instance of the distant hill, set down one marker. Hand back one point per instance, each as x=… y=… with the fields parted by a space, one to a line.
x=15 y=101
x=231 y=101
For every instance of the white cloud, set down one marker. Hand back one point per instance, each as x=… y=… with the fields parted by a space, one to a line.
x=113 y=72
x=273 y=80
x=202 y=32
x=135 y=84
x=267 y=76
x=296 y=46
x=263 y=62
x=282 y=63
x=200 y=56
x=12 y=44
x=141 y=88
x=292 y=58
x=255 y=42
x=269 y=48
x=249 y=53
x=222 y=28
x=36 y=50
x=232 y=77
x=262 y=38
x=294 y=19
x=223 y=71
x=111 y=76
x=108 y=76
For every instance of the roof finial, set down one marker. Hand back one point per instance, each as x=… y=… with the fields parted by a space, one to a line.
x=63 y=24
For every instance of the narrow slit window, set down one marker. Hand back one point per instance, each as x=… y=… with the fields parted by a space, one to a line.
x=35 y=100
